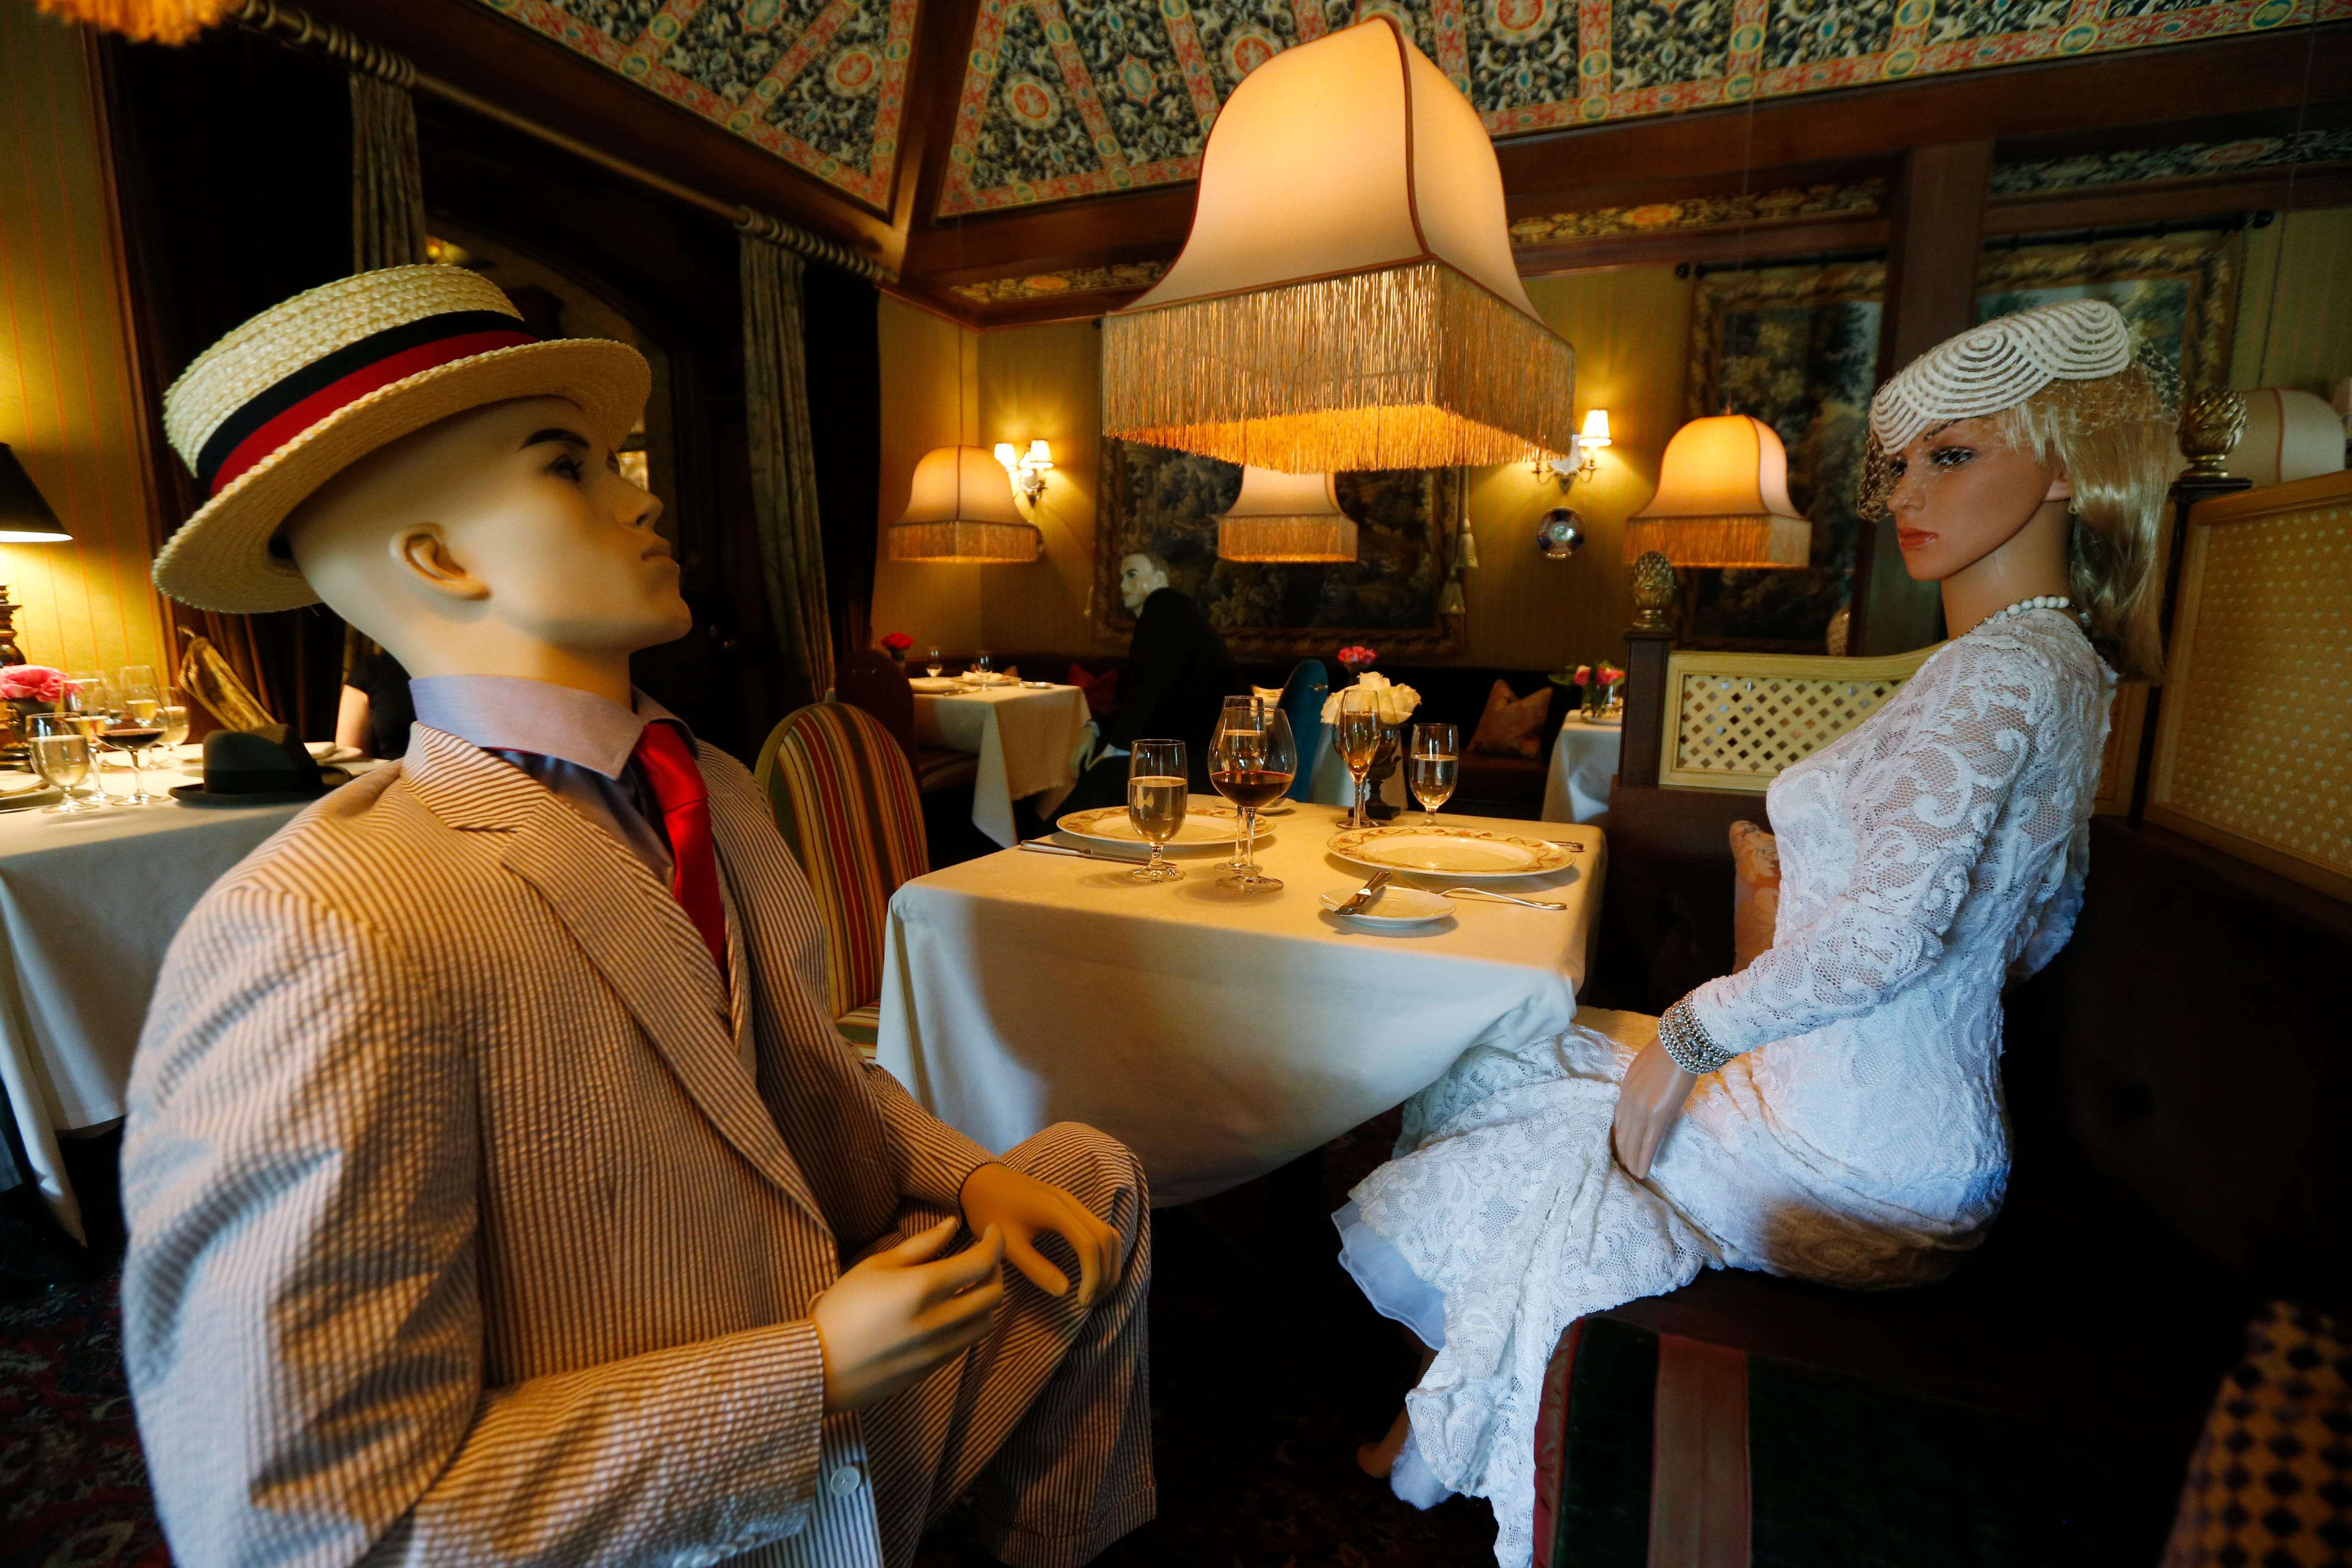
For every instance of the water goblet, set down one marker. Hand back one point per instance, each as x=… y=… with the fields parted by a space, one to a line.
x=933 y=664
x=1156 y=797
x=61 y=756
x=1432 y=766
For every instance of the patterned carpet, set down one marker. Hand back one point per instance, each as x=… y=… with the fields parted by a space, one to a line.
x=1268 y=1370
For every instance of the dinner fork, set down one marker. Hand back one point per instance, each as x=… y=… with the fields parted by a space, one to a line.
x=1499 y=897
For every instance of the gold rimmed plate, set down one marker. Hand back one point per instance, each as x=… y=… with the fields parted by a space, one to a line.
x=1209 y=824
x=1469 y=853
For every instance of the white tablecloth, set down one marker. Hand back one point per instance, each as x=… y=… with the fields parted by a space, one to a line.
x=1024 y=738
x=89 y=904
x=1584 y=768
x=1219 y=1035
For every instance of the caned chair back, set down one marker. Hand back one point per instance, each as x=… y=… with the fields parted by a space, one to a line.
x=845 y=803
x=1302 y=702
x=1733 y=720
x=871 y=679
x=2253 y=736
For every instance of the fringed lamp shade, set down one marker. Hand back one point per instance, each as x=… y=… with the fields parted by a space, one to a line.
x=1286 y=518
x=1722 y=500
x=960 y=508
x=25 y=514
x=1347 y=298
x=147 y=21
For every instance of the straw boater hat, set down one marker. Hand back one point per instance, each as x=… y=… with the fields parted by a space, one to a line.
x=299 y=393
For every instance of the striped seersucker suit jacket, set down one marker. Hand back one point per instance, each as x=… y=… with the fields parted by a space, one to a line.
x=475 y=1220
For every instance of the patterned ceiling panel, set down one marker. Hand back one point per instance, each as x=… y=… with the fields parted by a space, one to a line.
x=1073 y=98
x=820 y=83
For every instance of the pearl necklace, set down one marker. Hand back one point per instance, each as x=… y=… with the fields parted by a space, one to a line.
x=2038 y=601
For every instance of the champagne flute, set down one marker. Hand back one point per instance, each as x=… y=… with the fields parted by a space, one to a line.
x=60 y=754
x=1252 y=760
x=1359 y=742
x=933 y=664
x=87 y=707
x=1432 y=768
x=1156 y=789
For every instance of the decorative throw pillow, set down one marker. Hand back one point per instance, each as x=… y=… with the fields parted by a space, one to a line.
x=1512 y=726
x=1269 y=694
x=1755 y=891
x=1101 y=691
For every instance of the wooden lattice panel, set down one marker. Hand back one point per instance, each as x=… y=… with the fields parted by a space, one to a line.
x=2254 y=731
x=1738 y=718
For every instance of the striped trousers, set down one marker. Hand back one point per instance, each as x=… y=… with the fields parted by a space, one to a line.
x=1047 y=1421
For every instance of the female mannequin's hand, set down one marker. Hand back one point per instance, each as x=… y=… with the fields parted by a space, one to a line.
x=1648 y=1101
x=1022 y=1207
x=896 y=1315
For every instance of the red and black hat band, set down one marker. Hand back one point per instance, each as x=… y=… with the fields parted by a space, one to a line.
x=285 y=408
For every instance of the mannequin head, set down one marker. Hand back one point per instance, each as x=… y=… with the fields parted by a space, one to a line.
x=1141 y=575
x=2031 y=454
x=502 y=541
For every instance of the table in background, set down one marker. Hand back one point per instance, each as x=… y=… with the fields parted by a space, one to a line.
x=89 y=903
x=1583 y=769
x=1022 y=736
x=1218 y=1035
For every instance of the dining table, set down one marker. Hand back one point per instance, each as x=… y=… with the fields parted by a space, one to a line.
x=1218 y=1034
x=1024 y=732
x=88 y=903
x=1584 y=768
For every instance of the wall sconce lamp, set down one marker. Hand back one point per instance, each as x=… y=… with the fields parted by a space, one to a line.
x=1026 y=469
x=1580 y=463
x=25 y=518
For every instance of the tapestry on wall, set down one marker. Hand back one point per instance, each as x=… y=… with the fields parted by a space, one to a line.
x=1063 y=100
x=1166 y=503
x=821 y=84
x=1798 y=348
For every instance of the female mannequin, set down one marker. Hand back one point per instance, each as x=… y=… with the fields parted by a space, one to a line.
x=1833 y=1110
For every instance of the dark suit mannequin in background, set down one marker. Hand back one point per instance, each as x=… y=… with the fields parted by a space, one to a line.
x=1177 y=677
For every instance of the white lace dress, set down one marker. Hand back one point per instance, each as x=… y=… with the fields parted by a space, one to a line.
x=1926 y=857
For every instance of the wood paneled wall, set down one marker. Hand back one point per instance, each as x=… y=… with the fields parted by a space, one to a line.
x=67 y=397
x=2304 y=263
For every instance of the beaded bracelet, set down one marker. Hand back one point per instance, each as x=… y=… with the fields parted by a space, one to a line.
x=1686 y=1041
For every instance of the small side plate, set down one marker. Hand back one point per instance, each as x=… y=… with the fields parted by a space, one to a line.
x=1394 y=908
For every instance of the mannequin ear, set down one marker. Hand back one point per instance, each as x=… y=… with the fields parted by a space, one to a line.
x=2060 y=489
x=432 y=566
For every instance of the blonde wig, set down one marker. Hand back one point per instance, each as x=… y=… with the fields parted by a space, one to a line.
x=2066 y=383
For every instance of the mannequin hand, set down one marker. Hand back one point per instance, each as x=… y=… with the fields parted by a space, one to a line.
x=1648 y=1101
x=1022 y=1206
x=895 y=1316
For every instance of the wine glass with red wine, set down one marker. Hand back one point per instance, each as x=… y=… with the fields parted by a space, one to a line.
x=1252 y=760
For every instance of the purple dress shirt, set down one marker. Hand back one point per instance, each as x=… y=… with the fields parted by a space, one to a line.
x=575 y=742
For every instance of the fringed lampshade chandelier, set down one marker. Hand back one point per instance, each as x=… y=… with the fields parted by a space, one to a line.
x=1347 y=297
x=1288 y=519
x=960 y=508
x=146 y=21
x=1722 y=500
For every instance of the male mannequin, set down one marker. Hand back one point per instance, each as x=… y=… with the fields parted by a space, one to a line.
x=492 y=1164
x=1179 y=675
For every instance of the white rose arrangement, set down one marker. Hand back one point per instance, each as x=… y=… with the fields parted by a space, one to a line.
x=1394 y=703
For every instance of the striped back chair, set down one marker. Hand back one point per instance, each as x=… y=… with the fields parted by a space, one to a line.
x=844 y=801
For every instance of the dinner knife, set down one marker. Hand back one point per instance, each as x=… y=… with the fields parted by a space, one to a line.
x=1378 y=880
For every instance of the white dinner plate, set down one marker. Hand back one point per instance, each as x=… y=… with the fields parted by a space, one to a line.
x=1209 y=824
x=1393 y=906
x=1466 y=852
x=1613 y=721
x=935 y=684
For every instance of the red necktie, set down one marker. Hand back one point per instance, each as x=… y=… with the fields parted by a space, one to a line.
x=669 y=767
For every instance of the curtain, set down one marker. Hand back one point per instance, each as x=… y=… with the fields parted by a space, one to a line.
x=388 y=182
x=783 y=465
